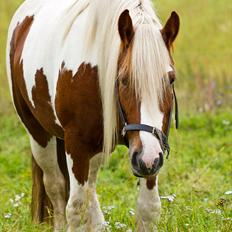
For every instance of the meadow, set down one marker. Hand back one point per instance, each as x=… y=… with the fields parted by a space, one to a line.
x=199 y=170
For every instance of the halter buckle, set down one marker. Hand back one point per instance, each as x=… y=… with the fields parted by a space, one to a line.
x=124 y=131
x=153 y=130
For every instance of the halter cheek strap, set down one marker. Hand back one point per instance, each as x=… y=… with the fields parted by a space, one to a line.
x=176 y=113
x=163 y=139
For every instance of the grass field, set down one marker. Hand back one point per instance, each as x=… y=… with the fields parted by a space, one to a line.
x=199 y=170
x=202 y=51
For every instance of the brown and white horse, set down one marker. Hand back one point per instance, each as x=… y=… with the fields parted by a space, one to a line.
x=79 y=72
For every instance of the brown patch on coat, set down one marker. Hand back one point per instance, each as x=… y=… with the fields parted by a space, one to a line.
x=41 y=206
x=79 y=109
x=166 y=108
x=43 y=109
x=61 y=158
x=131 y=108
x=151 y=183
x=39 y=120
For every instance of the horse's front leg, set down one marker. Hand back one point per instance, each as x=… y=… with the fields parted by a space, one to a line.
x=95 y=216
x=83 y=211
x=76 y=210
x=149 y=205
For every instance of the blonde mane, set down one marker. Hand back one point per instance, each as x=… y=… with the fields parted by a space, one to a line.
x=149 y=61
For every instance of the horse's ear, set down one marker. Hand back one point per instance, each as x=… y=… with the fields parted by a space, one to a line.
x=125 y=28
x=171 y=29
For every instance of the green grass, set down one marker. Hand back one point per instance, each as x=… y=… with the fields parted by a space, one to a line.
x=200 y=168
x=198 y=172
x=202 y=51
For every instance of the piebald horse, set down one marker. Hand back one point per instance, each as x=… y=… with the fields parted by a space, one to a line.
x=84 y=76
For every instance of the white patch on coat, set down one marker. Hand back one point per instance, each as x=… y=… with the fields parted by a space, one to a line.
x=95 y=214
x=151 y=145
x=77 y=202
x=83 y=204
x=148 y=207
x=28 y=8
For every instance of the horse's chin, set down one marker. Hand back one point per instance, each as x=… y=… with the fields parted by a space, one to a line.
x=137 y=174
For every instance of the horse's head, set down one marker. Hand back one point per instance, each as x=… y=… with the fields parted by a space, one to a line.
x=144 y=90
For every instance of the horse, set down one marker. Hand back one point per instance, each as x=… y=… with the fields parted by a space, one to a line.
x=86 y=75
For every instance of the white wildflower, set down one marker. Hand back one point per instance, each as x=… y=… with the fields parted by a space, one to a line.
x=119 y=225
x=228 y=192
x=227 y=219
x=108 y=209
x=129 y=230
x=22 y=195
x=16 y=204
x=216 y=211
x=11 y=201
x=226 y=122
x=18 y=197
x=106 y=225
x=8 y=215
x=132 y=212
x=170 y=198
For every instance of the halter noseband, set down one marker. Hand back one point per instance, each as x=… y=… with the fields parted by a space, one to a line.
x=160 y=135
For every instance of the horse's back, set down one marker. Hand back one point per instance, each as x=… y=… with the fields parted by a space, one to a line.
x=50 y=40
x=43 y=37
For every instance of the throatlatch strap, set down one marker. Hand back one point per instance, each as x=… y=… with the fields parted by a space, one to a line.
x=176 y=108
x=176 y=113
x=118 y=102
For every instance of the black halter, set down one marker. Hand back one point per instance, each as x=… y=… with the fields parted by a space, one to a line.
x=160 y=135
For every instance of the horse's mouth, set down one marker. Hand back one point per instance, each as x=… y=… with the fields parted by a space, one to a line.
x=137 y=174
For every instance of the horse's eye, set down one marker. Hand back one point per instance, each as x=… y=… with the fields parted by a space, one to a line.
x=172 y=77
x=172 y=80
x=125 y=81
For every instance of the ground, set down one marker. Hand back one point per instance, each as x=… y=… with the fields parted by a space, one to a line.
x=198 y=172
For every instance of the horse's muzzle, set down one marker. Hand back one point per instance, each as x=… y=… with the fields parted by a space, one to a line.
x=140 y=169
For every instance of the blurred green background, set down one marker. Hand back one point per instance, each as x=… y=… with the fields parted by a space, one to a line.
x=199 y=170
x=202 y=52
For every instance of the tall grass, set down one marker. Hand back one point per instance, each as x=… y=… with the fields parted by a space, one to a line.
x=203 y=54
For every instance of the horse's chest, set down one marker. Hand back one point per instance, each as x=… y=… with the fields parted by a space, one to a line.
x=78 y=103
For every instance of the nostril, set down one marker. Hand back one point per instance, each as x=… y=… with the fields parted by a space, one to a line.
x=142 y=165
x=161 y=159
x=134 y=159
x=156 y=163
